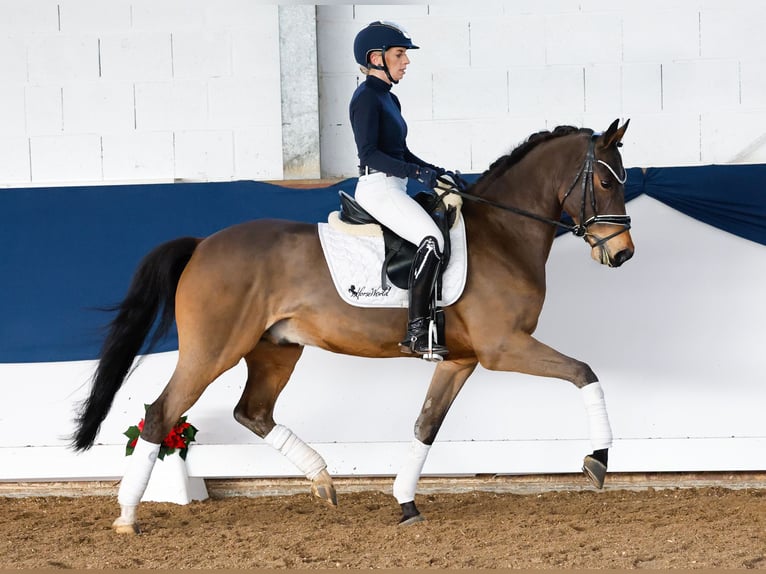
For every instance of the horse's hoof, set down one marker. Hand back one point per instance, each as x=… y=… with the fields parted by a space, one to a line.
x=411 y=520
x=323 y=488
x=410 y=514
x=122 y=528
x=325 y=492
x=595 y=470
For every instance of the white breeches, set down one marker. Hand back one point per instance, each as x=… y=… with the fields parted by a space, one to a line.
x=598 y=419
x=386 y=199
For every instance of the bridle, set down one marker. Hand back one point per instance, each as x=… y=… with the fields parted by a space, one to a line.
x=585 y=177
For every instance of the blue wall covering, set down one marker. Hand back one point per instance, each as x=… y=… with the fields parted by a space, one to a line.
x=67 y=252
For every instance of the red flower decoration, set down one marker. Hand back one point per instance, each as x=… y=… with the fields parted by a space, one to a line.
x=180 y=437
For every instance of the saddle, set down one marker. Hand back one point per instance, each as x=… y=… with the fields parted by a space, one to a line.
x=399 y=252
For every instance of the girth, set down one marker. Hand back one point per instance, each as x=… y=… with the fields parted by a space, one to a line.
x=399 y=252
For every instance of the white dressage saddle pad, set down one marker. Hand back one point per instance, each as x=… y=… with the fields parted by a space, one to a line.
x=355 y=253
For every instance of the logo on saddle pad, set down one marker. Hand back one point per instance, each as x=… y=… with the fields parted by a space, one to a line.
x=362 y=292
x=355 y=256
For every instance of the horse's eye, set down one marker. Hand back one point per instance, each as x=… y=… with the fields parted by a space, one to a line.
x=606 y=183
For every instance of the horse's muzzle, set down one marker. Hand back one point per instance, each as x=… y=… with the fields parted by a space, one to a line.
x=602 y=254
x=621 y=257
x=612 y=250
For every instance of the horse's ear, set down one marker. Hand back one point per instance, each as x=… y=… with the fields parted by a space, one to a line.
x=613 y=135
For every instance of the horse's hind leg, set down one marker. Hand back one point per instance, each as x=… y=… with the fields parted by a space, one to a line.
x=269 y=368
x=446 y=383
x=182 y=391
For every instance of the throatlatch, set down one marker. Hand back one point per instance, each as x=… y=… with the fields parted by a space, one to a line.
x=423 y=333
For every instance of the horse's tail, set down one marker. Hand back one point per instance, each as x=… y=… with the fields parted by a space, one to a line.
x=150 y=298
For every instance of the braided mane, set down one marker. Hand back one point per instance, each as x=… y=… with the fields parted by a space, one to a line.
x=502 y=164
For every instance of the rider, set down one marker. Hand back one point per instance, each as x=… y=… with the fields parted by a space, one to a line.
x=385 y=163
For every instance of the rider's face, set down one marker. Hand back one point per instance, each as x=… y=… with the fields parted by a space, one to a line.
x=396 y=61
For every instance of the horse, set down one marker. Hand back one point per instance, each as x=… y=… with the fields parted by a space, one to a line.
x=254 y=291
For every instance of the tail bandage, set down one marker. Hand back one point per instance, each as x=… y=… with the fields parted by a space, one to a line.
x=138 y=472
x=407 y=479
x=308 y=461
x=598 y=419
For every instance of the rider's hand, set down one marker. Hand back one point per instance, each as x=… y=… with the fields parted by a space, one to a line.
x=427 y=176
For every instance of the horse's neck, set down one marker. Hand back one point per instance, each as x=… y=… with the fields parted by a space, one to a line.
x=531 y=191
x=531 y=186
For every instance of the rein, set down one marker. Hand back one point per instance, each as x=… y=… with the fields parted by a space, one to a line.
x=585 y=175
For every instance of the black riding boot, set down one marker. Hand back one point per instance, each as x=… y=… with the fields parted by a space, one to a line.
x=423 y=273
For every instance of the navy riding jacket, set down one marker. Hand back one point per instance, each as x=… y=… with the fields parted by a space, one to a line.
x=380 y=131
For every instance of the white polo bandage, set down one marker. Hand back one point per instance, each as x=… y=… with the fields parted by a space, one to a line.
x=308 y=461
x=407 y=479
x=138 y=472
x=598 y=419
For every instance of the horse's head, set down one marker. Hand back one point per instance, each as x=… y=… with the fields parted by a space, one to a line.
x=596 y=199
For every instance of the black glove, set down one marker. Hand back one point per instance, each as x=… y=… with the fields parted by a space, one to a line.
x=427 y=176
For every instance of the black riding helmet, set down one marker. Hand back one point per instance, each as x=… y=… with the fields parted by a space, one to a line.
x=380 y=35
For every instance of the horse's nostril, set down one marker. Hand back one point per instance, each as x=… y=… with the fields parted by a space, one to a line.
x=622 y=257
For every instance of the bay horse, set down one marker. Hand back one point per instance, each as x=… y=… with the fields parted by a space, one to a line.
x=257 y=291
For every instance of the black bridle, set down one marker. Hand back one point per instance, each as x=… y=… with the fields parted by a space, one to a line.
x=585 y=176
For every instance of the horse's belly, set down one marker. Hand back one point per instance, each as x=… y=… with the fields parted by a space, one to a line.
x=288 y=332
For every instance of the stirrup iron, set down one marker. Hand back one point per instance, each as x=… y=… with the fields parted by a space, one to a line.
x=431 y=355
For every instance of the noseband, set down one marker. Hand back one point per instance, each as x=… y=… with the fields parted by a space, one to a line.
x=585 y=176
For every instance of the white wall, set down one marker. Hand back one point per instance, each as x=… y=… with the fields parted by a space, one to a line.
x=688 y=74
x=139 y=90
x=675 y=336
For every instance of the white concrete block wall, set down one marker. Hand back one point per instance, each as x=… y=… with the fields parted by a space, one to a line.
x=687 y=74
x=15 y=153
x=65 y=157
x=85 y=15
x=255 y=150
x=13 y=69
x=27 y=18
x=191 y=73
x=661 y=36
x=62 y=58
x=98 y=107
x=137 y=90
x=139 y=56
x=135 y=155
x=729 y=33
x=12 y=110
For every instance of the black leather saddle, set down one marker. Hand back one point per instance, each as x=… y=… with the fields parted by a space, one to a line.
x=399 y=252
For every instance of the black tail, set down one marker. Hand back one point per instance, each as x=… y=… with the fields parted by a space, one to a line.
x=151 y=295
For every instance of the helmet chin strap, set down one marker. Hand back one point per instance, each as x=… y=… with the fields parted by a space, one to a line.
x=384 y=67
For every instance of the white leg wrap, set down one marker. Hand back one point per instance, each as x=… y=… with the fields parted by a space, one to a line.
x=407 y=479
x=138 y=472
x=598 y=419
x=127 y=516
x=308 y=461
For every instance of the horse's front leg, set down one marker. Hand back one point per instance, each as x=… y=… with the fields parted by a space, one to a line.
x=525 y=354
x=446 y=383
